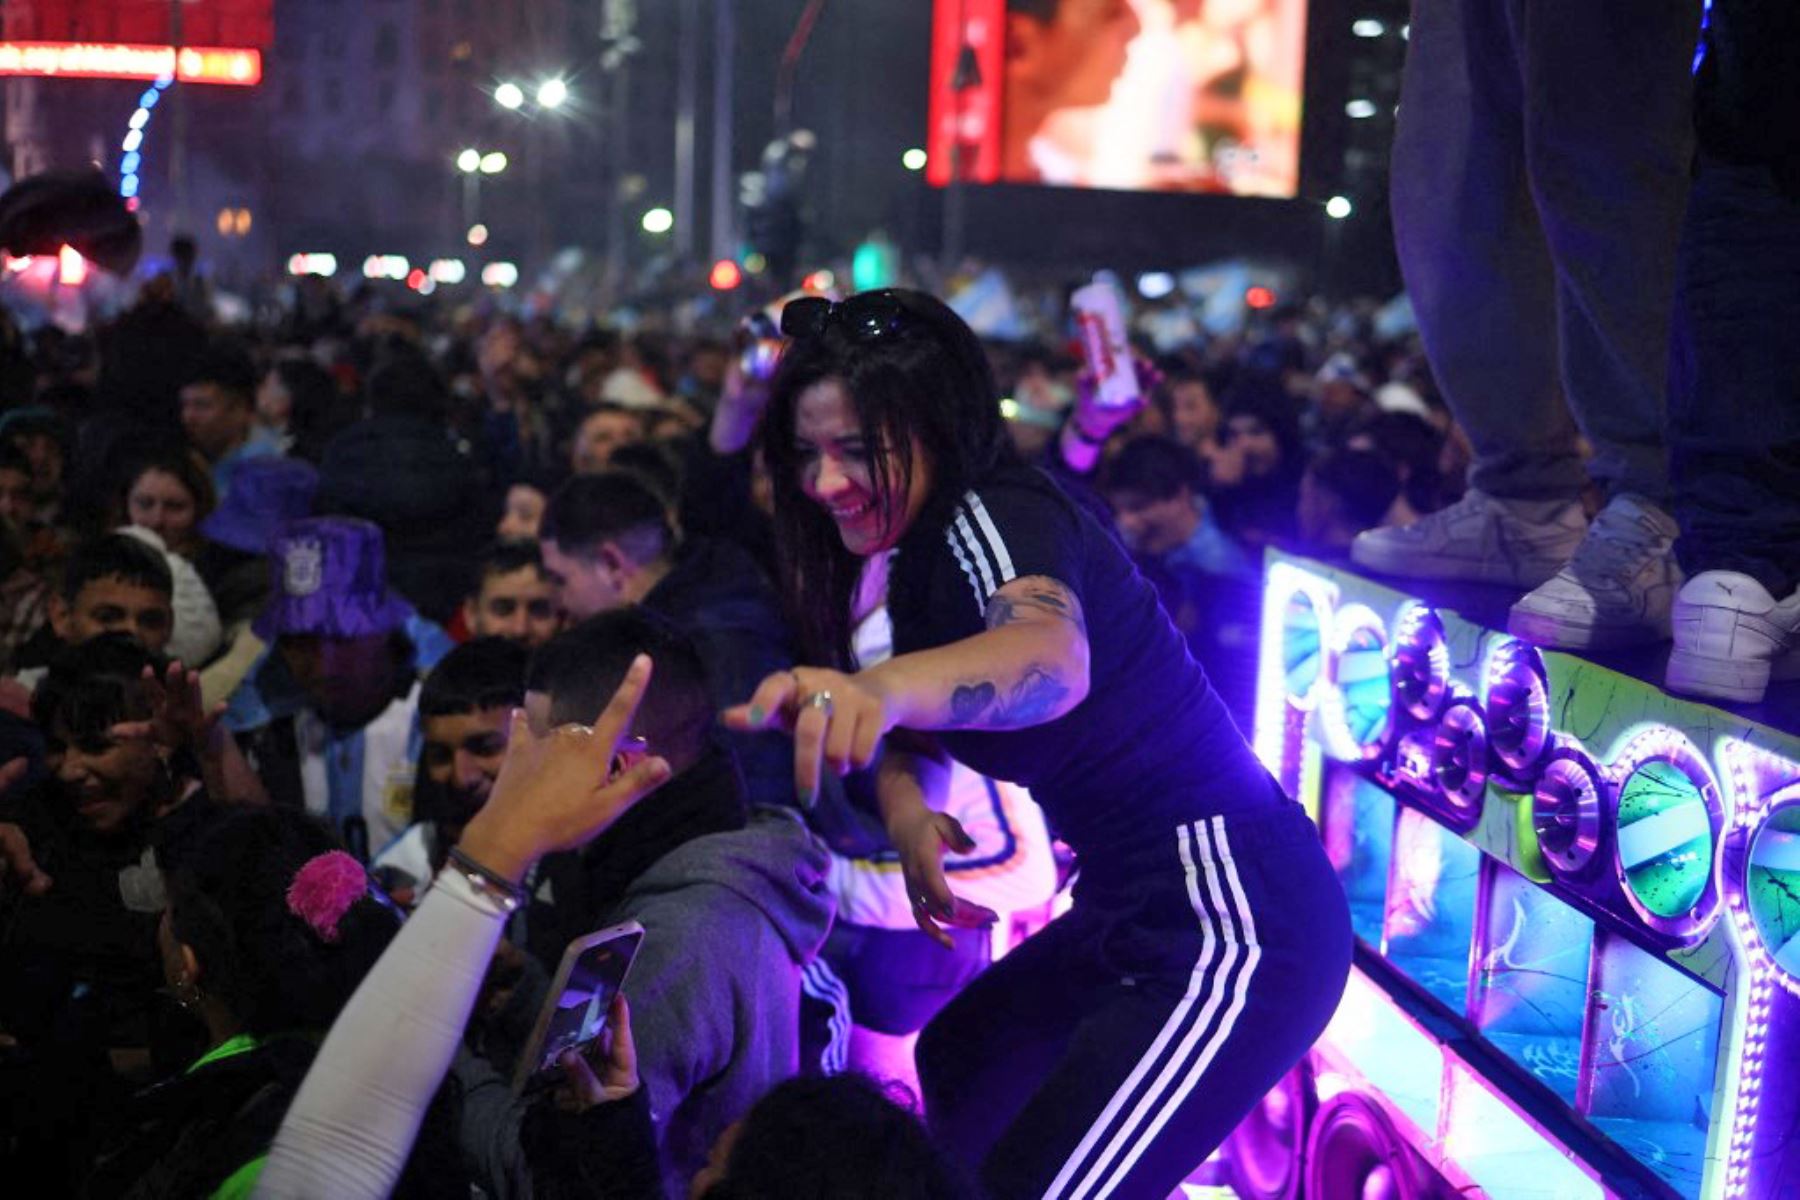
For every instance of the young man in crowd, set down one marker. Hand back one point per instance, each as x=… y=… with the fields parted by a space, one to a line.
x=465 y=711
x=733 y=899
x=16 y=506
x=1207 y=580
x=218 y=411
x=609 y=539
x=515 y=596
x=331 y=709
x=1344 y=492
x=112 y=583
x=601 y=433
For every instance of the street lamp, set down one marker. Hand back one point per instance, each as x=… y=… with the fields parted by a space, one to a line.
x=914 y=159
x=509 y=95
x=1338 y=207
x=469 y=161
x=551 y=93
x=493 y=162
x=659 y=220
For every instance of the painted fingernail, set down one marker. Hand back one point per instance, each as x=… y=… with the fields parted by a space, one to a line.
x=756 y=714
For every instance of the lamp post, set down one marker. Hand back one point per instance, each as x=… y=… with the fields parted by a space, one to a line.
x=474 y=164
x=550 y=95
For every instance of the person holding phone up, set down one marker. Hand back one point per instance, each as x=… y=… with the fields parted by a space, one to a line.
x=1209 y=939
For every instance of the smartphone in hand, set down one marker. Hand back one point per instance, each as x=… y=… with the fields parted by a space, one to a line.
x=592 y=972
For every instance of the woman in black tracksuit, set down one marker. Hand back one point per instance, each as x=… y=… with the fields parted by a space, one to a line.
x=1209 y=940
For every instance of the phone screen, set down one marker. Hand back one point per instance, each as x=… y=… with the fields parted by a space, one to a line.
x=575 y=1013
x=760 y=359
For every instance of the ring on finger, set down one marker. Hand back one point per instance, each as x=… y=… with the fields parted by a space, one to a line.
x=820 y=700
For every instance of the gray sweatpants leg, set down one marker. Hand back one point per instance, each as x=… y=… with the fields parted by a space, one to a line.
x=1539 y=177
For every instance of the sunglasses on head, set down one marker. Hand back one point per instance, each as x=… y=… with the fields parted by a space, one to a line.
x=865 y=316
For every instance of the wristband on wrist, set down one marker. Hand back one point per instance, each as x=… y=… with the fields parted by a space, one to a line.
x=488 y=882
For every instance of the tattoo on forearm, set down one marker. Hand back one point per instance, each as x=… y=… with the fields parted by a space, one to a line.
x=969 y=701
x=1038 y=594
x=1034 y=699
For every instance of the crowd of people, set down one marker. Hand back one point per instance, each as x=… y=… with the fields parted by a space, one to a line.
x=278 y=591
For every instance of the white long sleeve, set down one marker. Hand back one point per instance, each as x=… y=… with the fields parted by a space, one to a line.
x=352 y=1125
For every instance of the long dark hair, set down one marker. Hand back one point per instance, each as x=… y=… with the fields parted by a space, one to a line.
x=925 y=379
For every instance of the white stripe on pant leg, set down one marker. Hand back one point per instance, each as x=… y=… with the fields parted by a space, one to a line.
x=977 y=553
x=996 y=543
x=1247 y=919
x=1202 y=1037
x=1177 y=1018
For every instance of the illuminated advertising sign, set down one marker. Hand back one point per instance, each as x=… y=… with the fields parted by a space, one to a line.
x=92 y=60
x=1135 y=95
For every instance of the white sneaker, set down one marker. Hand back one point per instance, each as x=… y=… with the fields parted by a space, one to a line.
x=1481 y=538
x=1732 y=637
x=1616 y=591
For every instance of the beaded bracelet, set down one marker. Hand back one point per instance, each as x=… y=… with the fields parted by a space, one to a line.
x=488 y=882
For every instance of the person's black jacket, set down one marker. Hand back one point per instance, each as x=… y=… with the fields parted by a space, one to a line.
x=403 y=472
x=82 y=979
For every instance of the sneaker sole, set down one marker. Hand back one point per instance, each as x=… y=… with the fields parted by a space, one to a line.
x=1740 y=680
x=1404 y=565
x=1542 y=629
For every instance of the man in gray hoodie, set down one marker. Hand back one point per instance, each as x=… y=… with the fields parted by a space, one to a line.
x=733 y=900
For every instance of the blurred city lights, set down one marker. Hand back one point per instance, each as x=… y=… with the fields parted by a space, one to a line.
x=132 y=141
x=469 y=161
x=914 y=159
x=509 y=95
x=1154 y=285
x=385 y=266
x=1368 y=27
x=313 y=264
x=1359 y=109
x=659 y=220
x=755 y=263
x=500 y=274
x=552 y=92
x=726 y=275
x=478 y=235
x=819 y=281
x=493 y=162
x=448 y=270
x=415 y=279
x=233 y=222
x=1259 y=297
x=1338 y=207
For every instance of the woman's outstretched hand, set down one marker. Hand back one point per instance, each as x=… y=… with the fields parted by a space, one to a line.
x=921 y=836
x=837 y=721
x=557 y=791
